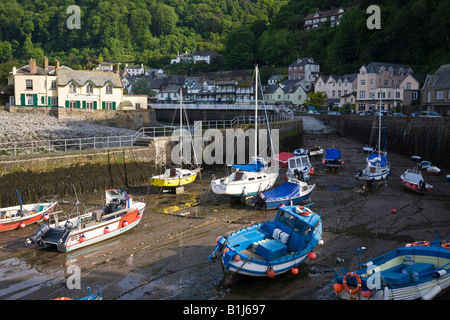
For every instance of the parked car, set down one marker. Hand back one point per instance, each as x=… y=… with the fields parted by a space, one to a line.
x=313 y=112
x=433 y=114
x=365 y=114
x=334 y=112
x=398 y=114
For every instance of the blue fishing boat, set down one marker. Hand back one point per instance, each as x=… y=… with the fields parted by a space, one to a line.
x=332 y=158
x=424 y=164
x=272 y=247
x=290 y=193
x=420 y=270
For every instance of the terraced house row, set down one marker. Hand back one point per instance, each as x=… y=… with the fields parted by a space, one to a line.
x=60 y=86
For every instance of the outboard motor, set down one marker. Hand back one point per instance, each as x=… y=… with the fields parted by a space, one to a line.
x=40 y=233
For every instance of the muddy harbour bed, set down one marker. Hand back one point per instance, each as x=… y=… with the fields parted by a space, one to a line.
x=166 y=256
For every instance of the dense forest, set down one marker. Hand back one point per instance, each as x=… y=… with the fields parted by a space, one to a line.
x=241 y=32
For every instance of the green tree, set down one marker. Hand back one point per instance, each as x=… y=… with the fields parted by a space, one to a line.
x=240 y=48
x=316 y=99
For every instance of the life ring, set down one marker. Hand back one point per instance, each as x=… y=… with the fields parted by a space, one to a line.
x=446 y=245
x=303 y=211
x=420 y=244
x=358 y=280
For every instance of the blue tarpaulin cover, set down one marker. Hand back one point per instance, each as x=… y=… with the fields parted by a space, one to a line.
x=251 y=167
x=287 y=190
x=373 y=159
x=332 y=154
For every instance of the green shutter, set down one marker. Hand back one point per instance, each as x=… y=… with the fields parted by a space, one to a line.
x=95 y=105
x=22 y=99
x=67 y=103
x=114 y=105
x=84 y=104
x=43 y=100
x=49 y=101
x=35 y=100
x=78 y=104
x=103 y=105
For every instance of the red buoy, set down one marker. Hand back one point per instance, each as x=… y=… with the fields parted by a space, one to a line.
x=365 y=293
x=22 y=225
x=46 y=216
x=237 y=258
x=394 y=210
x=312 y=255
x=82 y=238
x=294 y=270
x=338 y=287
x=124 y=223
x=106 y=230
x=270 y=273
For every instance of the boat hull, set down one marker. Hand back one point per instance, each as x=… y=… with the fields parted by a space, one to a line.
x=408 y=273
x=98 y=234
x=243 y=188
x=34 y=215
x=288 y=194
x=376 y=175
x=161 y=182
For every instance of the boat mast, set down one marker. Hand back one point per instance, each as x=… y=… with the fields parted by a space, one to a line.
x=256 y=111
x=181 y=124
x=379 y=126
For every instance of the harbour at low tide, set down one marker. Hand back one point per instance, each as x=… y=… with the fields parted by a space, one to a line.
x=166 y=256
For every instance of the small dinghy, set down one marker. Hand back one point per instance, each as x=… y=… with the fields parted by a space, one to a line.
x=424 y=164
x=22 y=215
x=316 y=151
x=433 y=170
x=273 y=247
x=78 y=230
x=420 y=270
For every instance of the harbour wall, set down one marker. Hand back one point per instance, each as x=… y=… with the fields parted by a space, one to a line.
x=426 y=137
x=173 y=115
x=85 y=171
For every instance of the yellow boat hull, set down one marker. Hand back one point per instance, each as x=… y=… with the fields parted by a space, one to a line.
x=172 y=182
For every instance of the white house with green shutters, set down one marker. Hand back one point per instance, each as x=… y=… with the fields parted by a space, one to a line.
x=55 y=86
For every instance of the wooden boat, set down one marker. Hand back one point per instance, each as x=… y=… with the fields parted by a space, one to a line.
x=433 y=170
x=412 y=180
x=316 y=151
x=78 y=230
x=332 y=158
x=176 y=177
x=251 y=178
x=299 y=168
x=20 y=216
x=292 y=192
x=420 y=270
x=272 y=247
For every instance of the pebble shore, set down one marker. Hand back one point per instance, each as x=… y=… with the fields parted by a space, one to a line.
x=19 y=127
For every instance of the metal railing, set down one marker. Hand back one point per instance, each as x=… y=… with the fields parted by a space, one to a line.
x=106 y=142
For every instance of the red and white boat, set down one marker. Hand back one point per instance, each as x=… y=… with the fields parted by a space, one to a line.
x=433 y=170
x=412 y=179
x=78 y=230
x=22 y=215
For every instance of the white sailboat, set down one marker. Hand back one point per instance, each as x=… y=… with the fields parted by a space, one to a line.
x=252 y=178
x=377 y=167
x=176 y=177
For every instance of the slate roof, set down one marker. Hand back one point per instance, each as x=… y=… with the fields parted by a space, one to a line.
x=374 y=67
x=82 y=77
x=441 y=78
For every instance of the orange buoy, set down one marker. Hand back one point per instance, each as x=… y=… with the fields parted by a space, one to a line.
x=124 y=223
x=338 y=287
x=312 y=255
x=226 y=250
x=106 y=230
x=217 y=239
x=294 y=270
x=62 y=298
x=446 y=245
x=237 y=258
x=22 y=225
x=82 y=238
x=270 y=273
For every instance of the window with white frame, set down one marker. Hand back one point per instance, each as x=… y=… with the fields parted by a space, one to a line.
x=362 y=94
x=54 y=101
x=89 y=104
x=109 y=89
x=29 y=84
x=109 y=105
x=414 y=95
x=89 y=88
x=53 y=85
x=72 y=88
x=29 y=100
x=72 y=104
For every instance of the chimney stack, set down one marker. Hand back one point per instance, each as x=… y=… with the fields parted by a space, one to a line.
x=45 y=63
x=32 y=66
x=56 y=65
x=116 y=68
